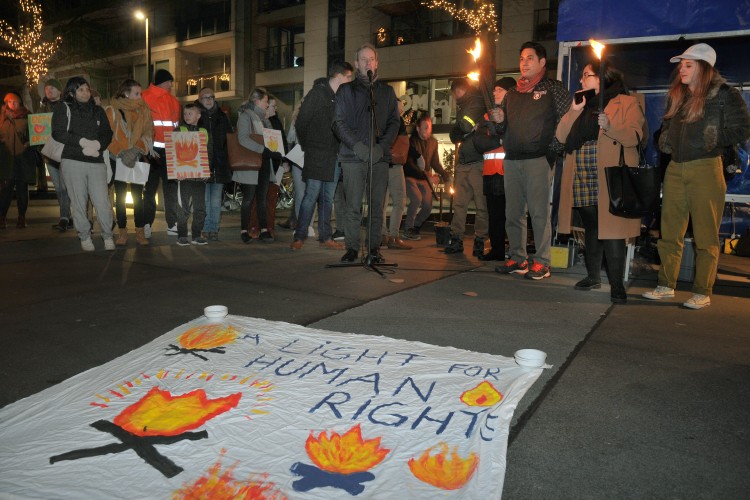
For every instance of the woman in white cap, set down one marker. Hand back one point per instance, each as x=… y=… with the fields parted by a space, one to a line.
x=704 y=115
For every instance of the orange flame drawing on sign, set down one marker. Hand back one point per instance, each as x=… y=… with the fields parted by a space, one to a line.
x=443 y=472
x=158 y=413
x=598 y=48
x=484 y=394
x=208 y=336
x=345 y=454
x=221 y=485
x=186 y=151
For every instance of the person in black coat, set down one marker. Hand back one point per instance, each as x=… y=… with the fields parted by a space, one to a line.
x=216 y=122
x=321 y=172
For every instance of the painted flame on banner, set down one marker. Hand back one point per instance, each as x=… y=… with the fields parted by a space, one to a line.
x=208 y=336
x=345 y=454
x=483 y=394
x=442 y=471
x=159 y=413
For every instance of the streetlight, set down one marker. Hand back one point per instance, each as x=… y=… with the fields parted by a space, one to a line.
x=143 y=17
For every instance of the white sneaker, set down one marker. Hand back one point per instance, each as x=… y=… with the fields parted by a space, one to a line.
x=88 y=245
x=310 y=232
x=172 y=230
x=658 y=293
x=697 y=301
x=147 y=231
x=109 y=244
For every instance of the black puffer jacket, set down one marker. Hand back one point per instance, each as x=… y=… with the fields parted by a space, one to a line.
x=315 y=134
x=87 y=120
x=725 y=122
x=352 y=117
x=216 y=122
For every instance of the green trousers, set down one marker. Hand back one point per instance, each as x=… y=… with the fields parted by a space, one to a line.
x=692 y=190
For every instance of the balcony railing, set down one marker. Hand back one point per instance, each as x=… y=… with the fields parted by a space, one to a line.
x=281 y=57
x=214 y=81
x=429 y=32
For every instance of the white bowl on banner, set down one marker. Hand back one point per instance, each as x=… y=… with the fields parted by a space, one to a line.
x=215 y=313
x=530 y=358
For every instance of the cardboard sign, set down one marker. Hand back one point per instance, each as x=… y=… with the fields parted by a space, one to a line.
x=187 y=155
x=273 y=141
x=40 y=128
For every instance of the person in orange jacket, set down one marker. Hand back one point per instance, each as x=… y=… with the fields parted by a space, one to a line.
x=493 y=188
x=165 y=111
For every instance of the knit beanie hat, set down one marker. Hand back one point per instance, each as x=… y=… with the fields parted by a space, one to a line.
x=161 y=76
x=506 y=83
x=53 y=82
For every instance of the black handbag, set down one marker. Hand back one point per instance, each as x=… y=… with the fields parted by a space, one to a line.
x=633 y=191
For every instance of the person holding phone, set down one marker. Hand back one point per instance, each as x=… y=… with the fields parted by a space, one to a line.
x=592 y=142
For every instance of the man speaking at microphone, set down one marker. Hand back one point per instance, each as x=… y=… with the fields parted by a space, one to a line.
x=351 y=124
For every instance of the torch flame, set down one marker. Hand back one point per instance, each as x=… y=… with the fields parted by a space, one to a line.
x=598 y=48
x=345 y=454
x=159 y=413
x=452 y=191
x=477 y=50
x=208 y=336
x=474 y=76
x=443 y=472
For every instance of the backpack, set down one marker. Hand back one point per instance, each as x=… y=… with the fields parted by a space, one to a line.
x=742 y=247
x=734 y=158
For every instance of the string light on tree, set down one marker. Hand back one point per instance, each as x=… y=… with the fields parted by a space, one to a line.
x=26 y=41
x=481 y=18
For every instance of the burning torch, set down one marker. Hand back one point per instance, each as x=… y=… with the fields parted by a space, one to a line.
x=599 y=51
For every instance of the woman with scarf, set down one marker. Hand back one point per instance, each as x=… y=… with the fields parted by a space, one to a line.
x=252 y=119
x=82 y=127
x=132 y=137
x=14 y=139
x=592 y=142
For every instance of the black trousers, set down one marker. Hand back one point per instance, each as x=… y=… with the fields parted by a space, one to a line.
x=613 y=250
x=496 y=231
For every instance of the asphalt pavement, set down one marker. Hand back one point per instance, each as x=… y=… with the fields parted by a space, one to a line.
x=644 y=400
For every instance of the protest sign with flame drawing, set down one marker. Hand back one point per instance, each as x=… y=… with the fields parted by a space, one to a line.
x=249 y=408
x=187 y=155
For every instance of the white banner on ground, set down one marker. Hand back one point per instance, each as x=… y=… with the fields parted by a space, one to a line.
x=249 y=406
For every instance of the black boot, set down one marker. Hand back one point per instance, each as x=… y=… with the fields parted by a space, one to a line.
x=479 y=244
x=615 y=252
x=455 y=245
x=594 y=248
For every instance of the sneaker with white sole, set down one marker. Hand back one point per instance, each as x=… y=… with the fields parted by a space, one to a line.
x=697 y=301
x=183 y=241
x=87 y=245
x=658 y=293
x=147 y=231
x=172 y=230
x=109 y=244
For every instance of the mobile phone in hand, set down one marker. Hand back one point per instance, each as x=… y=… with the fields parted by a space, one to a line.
x=588 y=94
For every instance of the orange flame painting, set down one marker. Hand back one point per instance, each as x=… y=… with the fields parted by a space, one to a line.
x=442 y=471
x=208 y=336
x=484 y=394
x=186 y=152
x=205 y=338
x=222 y=485
x=159 y=413
x=345 y=454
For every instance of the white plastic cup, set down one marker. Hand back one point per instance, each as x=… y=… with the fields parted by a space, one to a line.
x=215 y=314
x=530 y=358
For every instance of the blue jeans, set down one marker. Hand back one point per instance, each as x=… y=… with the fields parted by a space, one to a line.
x=214 y=195
x=322 y=192
x=60 y=190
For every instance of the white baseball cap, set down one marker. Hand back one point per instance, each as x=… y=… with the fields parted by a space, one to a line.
x=699 y=51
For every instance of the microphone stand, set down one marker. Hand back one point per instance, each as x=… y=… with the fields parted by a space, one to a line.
x=368 y=261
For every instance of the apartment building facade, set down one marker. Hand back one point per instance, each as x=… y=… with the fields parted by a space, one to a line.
x=285 y=45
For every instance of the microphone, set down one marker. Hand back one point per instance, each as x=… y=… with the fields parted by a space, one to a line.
x=369 y=75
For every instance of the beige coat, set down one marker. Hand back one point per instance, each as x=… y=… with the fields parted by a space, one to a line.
x=626 y=118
